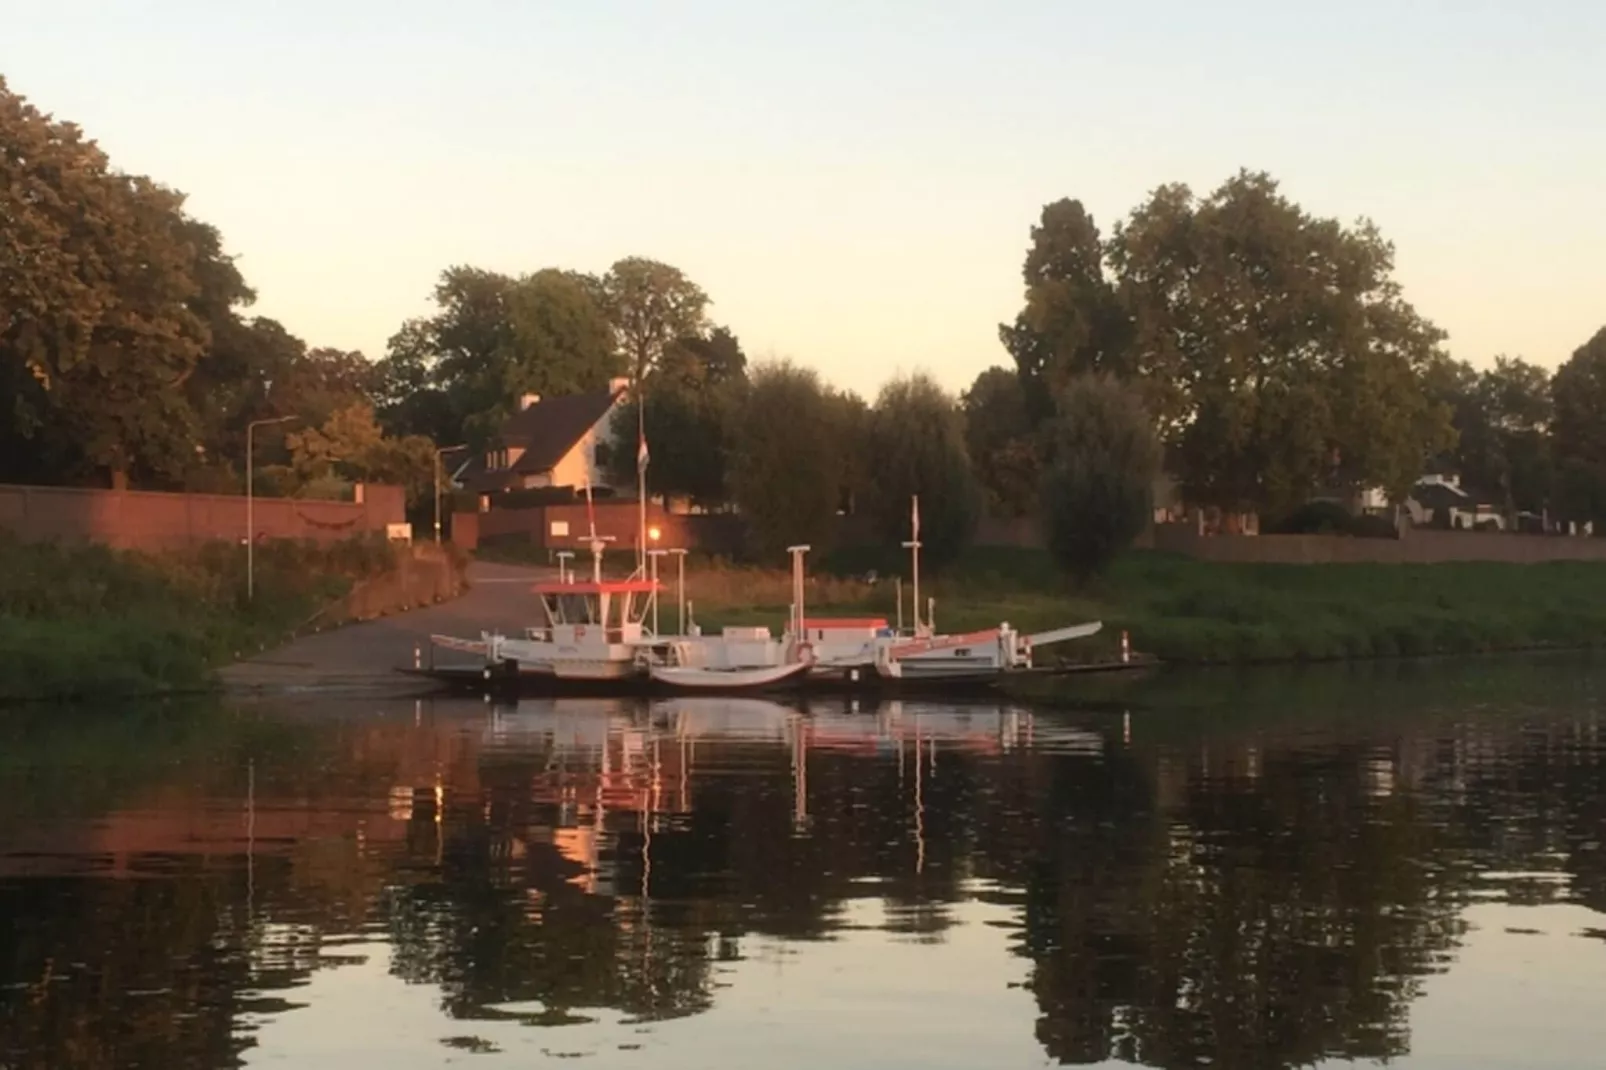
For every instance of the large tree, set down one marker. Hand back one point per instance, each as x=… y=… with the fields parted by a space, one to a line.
x=652 y=306
x=1274 y=347
x=1579 y=393
x=97 y=332
x=916 y=438
x=693 y=396
x=459 y=374
x=786 y=462
x=1098 y=490
x=1072 y=321
x=1003 y=441
x=1502 y=418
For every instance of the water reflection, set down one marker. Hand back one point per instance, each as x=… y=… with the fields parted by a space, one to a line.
x=902 y=885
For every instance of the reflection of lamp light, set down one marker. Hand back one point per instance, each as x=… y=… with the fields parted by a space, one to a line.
x=653 y=533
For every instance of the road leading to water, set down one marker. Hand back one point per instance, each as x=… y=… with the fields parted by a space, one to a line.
x=364 y=657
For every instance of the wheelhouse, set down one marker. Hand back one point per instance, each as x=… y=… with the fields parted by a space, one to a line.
x=612 y=610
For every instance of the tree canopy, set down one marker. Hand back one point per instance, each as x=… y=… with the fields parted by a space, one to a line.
x=787 y=463
x=1098 y=490
x=916 y=438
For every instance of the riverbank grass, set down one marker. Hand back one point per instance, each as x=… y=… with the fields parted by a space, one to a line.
x=87 y=622
x=1187 y=611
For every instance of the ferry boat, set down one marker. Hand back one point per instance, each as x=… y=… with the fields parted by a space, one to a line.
x=594 y=636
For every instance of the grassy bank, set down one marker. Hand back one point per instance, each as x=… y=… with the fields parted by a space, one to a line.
x=88 y=622
x=1196 y=612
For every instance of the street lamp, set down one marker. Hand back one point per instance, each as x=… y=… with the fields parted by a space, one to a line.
x=438 y=454
x=250 y=505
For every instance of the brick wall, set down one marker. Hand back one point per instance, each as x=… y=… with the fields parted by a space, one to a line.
x=1415 y=546
x=149 y=520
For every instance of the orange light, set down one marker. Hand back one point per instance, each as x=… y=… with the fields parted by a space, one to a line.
x=653 y=533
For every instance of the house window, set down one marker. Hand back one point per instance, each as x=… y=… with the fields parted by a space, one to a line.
x=560 y=528
x=496 y=460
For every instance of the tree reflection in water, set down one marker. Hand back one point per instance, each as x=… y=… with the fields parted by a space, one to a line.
x=1243 y=892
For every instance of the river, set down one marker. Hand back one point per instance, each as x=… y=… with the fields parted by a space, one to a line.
x=1395 y=863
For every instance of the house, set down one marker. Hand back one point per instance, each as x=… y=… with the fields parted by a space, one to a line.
x=551 y=443
x=1440 y=500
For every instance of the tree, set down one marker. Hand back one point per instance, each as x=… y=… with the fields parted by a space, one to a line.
x=1072 y=321
x=97 y=334
x=1502 y=418
x=652 y=306
x=917 y=439
x=1579 y=394
x=1274 y=349
x=1098 y=490
x=458 y=374
x=350 y=447
x=694 y=394
x=1003 y=442
x=786 y=464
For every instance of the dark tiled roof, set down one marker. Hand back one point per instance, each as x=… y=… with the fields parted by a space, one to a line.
x=546 y=431
x=1439 y=496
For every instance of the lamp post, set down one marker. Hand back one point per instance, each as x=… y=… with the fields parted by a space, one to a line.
x=250 y=504
x=439 y=453
x=680 y=589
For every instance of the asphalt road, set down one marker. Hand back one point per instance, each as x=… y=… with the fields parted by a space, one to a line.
x=364 y=657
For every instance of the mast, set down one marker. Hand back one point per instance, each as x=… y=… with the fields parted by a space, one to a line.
x=913 y=546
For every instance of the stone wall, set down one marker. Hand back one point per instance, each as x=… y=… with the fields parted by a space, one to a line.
x=151 y=520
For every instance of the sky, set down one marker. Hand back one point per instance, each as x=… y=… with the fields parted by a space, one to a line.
x=852 y=183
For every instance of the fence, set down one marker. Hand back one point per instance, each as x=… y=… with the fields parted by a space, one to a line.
x=151 y=520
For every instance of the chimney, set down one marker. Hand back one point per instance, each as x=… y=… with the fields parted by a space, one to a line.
x=618 y=383
x=526 y=400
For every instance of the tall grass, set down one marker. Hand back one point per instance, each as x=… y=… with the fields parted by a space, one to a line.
x=88 y=622
x=1190 y=611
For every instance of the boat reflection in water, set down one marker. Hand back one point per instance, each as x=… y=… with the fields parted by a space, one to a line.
x=618 y=765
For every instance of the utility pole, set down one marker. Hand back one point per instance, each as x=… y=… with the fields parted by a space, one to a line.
x=250 y=504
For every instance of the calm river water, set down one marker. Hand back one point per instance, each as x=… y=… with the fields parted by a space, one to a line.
x=1395 y=864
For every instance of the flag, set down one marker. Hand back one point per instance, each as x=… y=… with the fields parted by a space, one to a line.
x=641 y=452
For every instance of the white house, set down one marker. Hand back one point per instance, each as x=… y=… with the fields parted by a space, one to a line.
x=551 y=442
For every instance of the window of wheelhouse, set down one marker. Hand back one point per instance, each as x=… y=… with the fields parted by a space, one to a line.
x=564 y=608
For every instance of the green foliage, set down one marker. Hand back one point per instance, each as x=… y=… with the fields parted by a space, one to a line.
x=82 y=622
x=1097 y=497
x=652 y=306
x=1277 y=346
x=1502 y=419
x=457 y=376
x=692 y=397
x=1196 y=612
x=916 y=445
x=1579 y=394
x=97 y=333
x=350 y=447
x=1330 y=518
x=1273 y=348
x=786 y=464
x=1002 y=440
x=1073 y=322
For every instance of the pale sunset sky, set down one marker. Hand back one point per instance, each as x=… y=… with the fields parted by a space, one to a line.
x=853 y=183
